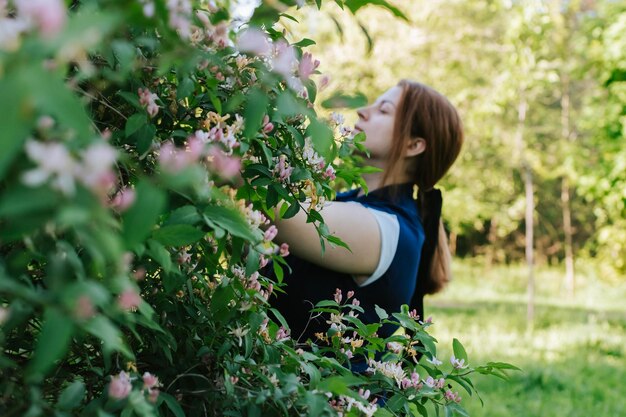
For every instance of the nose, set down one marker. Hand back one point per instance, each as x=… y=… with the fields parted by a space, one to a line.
x=362 y=113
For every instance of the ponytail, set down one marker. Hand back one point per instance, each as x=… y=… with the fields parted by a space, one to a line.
x=434 y=270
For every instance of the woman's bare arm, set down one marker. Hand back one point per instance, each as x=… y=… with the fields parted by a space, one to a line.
x=351 y=222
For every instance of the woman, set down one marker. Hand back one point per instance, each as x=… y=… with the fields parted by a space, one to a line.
x=398 y=250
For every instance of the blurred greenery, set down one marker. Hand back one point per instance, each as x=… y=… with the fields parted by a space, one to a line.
x=571 y=361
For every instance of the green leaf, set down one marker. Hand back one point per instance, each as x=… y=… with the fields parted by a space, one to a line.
x=455 y=409
x=183 y=215
x=256 y=108
x=52 y=342
x=14 y=127
x=459 y=350
x=278 y=271
x=185 y=88
x=144 y=137
x=304 y=43
x=355 y=5
x=326 y=303
x=20 y=201
x=50 y=94
x=252 y=262
x=381 y=412
x=502 y=365
x=172 y=404
x=157 y=252
x=395 y=402
x=139 y=220
x=230 y=219
x=341 y=100
x=339 y=385
x=102 y=328
x=72 y=396
x=178 y=235
x=382 y=314
x=292 y=210
x=134 y=123
x=322 y=138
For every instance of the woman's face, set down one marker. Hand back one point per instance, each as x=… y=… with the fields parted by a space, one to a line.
x=377 y=120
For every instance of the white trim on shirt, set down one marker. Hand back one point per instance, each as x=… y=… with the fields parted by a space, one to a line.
x=389 y=237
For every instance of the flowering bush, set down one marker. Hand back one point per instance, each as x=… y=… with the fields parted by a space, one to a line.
x=131 y=248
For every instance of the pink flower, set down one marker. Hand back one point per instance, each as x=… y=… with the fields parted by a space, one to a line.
x=263 y=261
x=282 y=334
x=285 y=60
x=349 y=295
x=338 y=296
x=282 y=169
x=356 y=302
x=224 y=165
x=254 y=41
x=120 y=386
x=184 y=257
x=173 y=159
x=129 y=299
x=307 y=66
x=48 y=15
x=123 y=199
x=324 y=81
x=270 y=233
x=268 y=127
x=453 y=396
x=147 y=99
x=284 y=250
x=329 y=173
x=149 y=380
x=84 y=308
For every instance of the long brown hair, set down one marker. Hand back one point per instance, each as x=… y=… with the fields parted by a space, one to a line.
x=424 y=113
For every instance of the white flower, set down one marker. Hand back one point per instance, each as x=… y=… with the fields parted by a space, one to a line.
x=434 y=361
x=389 y=369
x=239 y=332
x=255 y=41
x=309 y=154
x=55 y=162
x=96 y=163
x=457 y=363
x=337 y=118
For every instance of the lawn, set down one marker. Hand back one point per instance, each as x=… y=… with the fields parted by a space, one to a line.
x=572 y=358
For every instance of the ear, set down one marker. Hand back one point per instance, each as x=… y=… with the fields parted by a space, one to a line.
x=415 y=146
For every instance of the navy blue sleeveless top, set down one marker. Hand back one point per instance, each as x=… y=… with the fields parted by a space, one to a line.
x=309 y=283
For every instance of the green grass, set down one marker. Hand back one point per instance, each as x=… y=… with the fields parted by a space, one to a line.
x=573 y=358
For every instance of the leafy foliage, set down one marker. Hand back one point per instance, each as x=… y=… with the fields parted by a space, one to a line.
x=131 y=251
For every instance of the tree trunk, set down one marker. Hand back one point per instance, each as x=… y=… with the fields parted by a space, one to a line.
x=570 y=277
x=530 y=223
x=526 y=172
x=491 y=238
